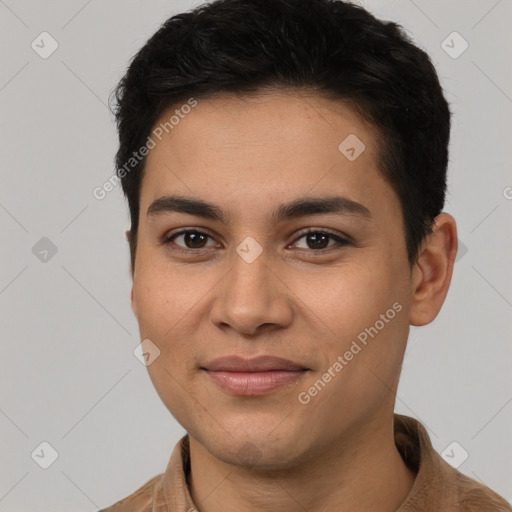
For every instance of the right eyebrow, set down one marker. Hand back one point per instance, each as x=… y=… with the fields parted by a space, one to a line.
x=187 y=205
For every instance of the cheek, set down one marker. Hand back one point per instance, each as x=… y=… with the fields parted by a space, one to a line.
x=353 y=300
x=366 y=311
x=163 y=300
x=165 y=310
x=164 y=318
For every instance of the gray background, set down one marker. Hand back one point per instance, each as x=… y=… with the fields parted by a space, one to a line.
x=68 y=375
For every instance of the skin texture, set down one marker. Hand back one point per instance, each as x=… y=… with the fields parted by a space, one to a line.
x=271 y=452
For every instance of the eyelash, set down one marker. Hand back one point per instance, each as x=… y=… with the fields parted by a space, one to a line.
x=339 y=239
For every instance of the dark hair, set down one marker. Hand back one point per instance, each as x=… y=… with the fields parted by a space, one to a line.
x=329 y=47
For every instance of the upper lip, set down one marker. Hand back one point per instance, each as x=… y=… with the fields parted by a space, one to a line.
x=256 y=364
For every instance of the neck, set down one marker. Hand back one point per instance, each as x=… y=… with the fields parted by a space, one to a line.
x=361 y=471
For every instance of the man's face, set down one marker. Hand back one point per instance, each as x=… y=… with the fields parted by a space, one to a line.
x=256 y=284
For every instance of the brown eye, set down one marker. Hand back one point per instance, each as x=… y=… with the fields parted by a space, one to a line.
x=318 y=241
x=190 y=239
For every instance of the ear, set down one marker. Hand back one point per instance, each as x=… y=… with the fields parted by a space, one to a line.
x=432 y=272
x=133 y=302
x=132 y=298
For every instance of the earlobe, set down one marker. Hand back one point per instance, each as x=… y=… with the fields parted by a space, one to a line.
x=433 y=271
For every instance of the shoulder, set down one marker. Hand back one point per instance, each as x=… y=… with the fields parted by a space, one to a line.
x=141 y=500
x=476 y=497
x=438 y=485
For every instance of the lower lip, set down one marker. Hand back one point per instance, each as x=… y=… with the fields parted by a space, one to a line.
x=254 y=384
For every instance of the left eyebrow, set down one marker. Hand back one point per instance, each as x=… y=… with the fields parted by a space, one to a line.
x=313 y=206
x=298 y=208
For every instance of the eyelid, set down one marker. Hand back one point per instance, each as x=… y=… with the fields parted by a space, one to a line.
x=341 y=239
x=334 y=234
x=169 y=237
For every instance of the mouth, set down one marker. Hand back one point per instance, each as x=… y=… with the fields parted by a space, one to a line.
x=253 y=377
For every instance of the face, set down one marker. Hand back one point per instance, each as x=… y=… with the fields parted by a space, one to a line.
x=301 y=256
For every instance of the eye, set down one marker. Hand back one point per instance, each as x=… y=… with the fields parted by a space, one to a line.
x=318 y=240
x=192 y=239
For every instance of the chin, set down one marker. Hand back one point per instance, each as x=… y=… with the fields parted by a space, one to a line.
x=255 y=448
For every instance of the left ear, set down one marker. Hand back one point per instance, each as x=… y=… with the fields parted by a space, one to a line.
x=432 y=272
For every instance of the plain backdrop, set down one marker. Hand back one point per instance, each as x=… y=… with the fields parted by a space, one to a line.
x=68 y=374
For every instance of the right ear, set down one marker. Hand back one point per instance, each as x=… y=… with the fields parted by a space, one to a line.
x=132 y=295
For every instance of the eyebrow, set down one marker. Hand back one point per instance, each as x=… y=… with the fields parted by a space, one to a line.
x=298 y=208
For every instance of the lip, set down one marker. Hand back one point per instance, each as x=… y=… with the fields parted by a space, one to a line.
x=261 y=363
x=253 y=377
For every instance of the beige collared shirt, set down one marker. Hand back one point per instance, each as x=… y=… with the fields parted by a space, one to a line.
x=438 y=487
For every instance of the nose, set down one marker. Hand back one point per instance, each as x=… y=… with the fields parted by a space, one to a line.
x=252 y=298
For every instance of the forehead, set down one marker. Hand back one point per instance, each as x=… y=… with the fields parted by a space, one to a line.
x=281 y=121
x=249 y=151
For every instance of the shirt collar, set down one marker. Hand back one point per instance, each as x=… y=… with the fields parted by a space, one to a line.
x=435 y=486
x=175 y=479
